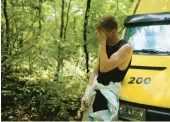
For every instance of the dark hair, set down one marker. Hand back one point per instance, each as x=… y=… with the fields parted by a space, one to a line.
x=108 y=22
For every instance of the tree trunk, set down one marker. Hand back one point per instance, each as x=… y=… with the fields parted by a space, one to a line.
x=117 y=8
x=39 y=15
x=5 y=40
x=85 y=34
x=7 y=32
x=40 y=2
x=29 y=64
x=59 y=73
x=67 y=19
x=74 y=28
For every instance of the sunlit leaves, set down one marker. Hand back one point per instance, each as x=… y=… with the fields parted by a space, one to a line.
x=34 y=55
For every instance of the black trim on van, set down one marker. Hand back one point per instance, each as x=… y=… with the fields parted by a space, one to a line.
x=134 y=12
x=147 y=67
x=148 y=19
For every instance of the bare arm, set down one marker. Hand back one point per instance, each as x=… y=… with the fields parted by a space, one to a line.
x=94 y=72
x=117 y=58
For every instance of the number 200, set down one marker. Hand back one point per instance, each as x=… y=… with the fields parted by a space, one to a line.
x=139 y=80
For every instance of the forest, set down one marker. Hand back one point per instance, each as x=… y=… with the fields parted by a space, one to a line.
x=47 y=51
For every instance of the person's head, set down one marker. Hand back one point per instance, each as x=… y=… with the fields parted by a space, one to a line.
x=108 y=24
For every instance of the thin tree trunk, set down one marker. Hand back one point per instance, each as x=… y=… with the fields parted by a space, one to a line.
x=85 y=34
x=6 y=48
x=39 y=15
x=29 y=62
x=17 y=41
x=60 y=58
x=67 y=19
x=38 y=34
x=74 y=28
x=117 y=8
x=6 y=40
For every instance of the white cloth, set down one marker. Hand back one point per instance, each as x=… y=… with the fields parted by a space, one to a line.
x=111 y=92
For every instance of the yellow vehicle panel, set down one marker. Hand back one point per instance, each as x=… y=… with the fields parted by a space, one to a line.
x=155 y=93
x=147 y=82
x=151 y=6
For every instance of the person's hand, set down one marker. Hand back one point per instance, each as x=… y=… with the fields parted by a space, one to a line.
x=85 y=98
x=84 y=106
x=84 y=102
x=101 y=37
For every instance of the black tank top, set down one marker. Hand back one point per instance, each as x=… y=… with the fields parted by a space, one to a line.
x=114 y=75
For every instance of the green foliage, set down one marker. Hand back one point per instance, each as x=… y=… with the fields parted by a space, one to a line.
x=30 y=41
x=43 y=101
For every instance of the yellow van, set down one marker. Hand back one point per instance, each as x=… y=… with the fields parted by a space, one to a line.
x=146 y=88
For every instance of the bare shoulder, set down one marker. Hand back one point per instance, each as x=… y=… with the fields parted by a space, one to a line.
x=127 y=48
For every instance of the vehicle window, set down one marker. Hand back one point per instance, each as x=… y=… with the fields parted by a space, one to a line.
x=149 y=39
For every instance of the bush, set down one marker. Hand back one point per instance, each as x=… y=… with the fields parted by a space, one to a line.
x=50 y=101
